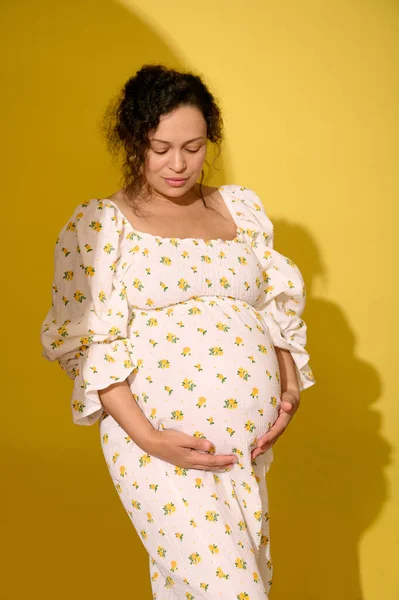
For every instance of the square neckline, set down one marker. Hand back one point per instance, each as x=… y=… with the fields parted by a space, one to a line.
x=225 y=200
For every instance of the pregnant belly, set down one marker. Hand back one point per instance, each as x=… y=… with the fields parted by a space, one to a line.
x=212 y=374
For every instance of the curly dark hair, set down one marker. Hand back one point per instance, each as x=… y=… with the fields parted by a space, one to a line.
x=153 y=91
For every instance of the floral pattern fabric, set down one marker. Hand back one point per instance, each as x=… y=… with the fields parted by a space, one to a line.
x=192 y=325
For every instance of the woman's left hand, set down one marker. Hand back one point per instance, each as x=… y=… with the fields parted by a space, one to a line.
x=288 y=407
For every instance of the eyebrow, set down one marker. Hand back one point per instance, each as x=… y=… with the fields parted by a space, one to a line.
x=188 y=141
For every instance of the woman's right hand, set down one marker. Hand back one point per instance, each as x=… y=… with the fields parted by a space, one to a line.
x=186 y=451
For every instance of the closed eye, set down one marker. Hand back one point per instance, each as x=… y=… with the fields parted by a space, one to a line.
x=165 y=151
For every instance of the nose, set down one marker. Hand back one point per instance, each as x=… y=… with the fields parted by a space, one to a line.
x=177 y=161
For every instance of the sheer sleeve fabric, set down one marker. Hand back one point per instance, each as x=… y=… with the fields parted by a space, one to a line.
x=86 y=328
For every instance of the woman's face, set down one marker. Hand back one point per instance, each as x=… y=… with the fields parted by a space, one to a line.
x=177 y=151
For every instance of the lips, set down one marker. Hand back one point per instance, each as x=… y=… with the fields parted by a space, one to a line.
x=172 y=179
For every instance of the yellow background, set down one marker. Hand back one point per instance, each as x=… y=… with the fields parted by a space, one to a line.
x=309 y=93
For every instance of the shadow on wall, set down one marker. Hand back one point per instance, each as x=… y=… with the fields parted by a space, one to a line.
x=327 y=484
x=65 y=61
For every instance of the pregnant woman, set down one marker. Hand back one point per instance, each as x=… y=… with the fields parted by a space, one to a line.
x=181 y=328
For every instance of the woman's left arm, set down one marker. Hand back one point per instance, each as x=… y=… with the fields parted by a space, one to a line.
x=290 y=399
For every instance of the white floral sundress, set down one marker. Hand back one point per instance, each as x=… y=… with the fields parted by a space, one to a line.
x=192 y=325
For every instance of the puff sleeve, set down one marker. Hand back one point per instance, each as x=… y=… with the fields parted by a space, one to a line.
x=86 y=328
x=283 y=296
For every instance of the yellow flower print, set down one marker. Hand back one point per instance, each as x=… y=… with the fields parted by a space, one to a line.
x=163 y=364
x=179 y=536
x=186 y=351
x=122 y=471
x=136 y=504
x=163 y=286
x=118 y=488
x=105 y=438
x=115 y=457
x=153 y=486
x=155 y=576
x=89 y=271
x=204 y=586
x=78 y=406
x=250 y=426
x=264 y=540
x=79 y=296
x=71 y=226
x=173 y=566
x=246 y=486
x=62 y=331
x=65 y=300
x=242 y=526
x=216 y=351
x=238 y=341
x=240 y=563
x=221 y=574
x=102 y=297
x=258 y=515
x=183 y=284
x=273 y=401
x=224 y=283
x=65 y=251
x=109 y=358
x=181 y=471
x=214 y=549
x=290 y=284
x=211 y=515
x=243 y=373
x=114 y=331
x=143 y=534
x=193 y=523
x=228 y=529
x=194 y=558
x=177 y=415
x=243 y=596
x=216 y=478
x=161 y=551
x=169 y=508
x=221 y=377
x=95 y=226
x=188 y=384
x=198 y=483
x=210 y=421
x=153 y=413
x=165 y=260
x=144 y=460
x=201 y=402
x=88 y=248
x=199 y=434
x=230 y=403
x=68 y=275
x=108 y=248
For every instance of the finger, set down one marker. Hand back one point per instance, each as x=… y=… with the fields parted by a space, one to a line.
x=217 y=461
x=287 y=406
x=279 y=426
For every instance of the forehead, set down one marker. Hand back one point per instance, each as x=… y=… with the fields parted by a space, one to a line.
x=185 y=122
